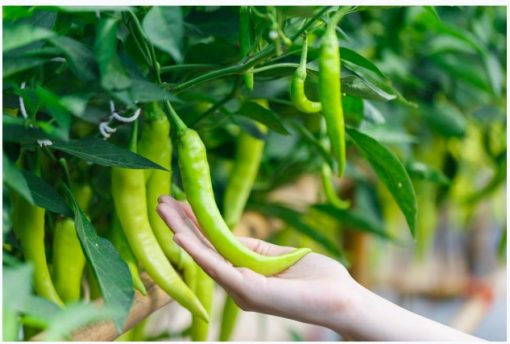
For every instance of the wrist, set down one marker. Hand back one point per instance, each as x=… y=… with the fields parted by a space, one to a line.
x=347 y=312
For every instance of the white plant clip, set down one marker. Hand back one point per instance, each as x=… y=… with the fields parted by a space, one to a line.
x=44 y=142
x=104 y=127
x=120 y=118
x=106 y=130
x=22 y=103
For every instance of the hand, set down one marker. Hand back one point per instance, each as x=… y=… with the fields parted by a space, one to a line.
x=316 y=289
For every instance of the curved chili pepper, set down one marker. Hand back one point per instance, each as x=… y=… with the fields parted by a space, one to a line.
x=28 y=223
x=68 y=257
x=329 y=190
x=297 y=86
x=129 y=196
x=196 y=179
x=330 y=91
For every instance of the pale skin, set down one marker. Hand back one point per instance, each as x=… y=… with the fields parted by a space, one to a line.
x=316 y=290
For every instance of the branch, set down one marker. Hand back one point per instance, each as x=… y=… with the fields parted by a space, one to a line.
x=142 y=307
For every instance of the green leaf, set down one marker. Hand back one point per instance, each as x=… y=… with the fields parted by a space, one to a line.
x=40 y=310
x=15 y=179
x=74 y=317
x=94 y=8
x=52 y=103
x=16 y=61
x=391 y=172
x=112 y=74
x=494 y=72
x=432 y=10
x=111 y=271
x=80 y=58
x=387 y=133
x=352 y=56
x=353 y=109
x=44 y=195
x=356 y=86
x=445 y=119
x=17 y=35
x=103 y=153
x=353 y=220
x=261 y=114
x=17 y=285
x=420 y=171
x=293 y=219
x=164 y=28
x=250 y=127
x=21 y=134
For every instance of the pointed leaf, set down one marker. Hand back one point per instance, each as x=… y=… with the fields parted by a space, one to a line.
x=44 y=195
x=80 y=58
x=354 y=221
x=391 y=172
x=352 y=56
x=15 y=179
x=103 y=153
x=261 y=114
x=164 y=28
x=111 y=271
x=17 y=35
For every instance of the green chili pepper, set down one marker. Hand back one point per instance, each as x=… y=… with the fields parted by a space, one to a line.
x=242 y=177
x=228 y=319
x=330 y=91
x=245 y=42
x=68 y=257
x=156 y=145
x=329 y=190
x=10 y=325
x=196 y=179
x=129 y=196
x=28 y=224
x=118 y=239
x=204 y=289
x=297 y=86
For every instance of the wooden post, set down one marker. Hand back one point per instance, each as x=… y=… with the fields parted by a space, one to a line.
x=142 y=307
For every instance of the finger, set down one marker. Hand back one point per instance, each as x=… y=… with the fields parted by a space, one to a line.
x=174 y=218
x=183 y=206
x=264 y=248
x=230 y=278
x=186 y=207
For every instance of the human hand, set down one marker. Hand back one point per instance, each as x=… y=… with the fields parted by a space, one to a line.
x=316 y=289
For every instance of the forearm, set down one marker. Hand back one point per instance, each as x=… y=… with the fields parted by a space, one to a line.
x=372 y=318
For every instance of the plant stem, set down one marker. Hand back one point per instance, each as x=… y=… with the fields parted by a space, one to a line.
x=276 y=66
x=167 y=69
